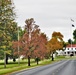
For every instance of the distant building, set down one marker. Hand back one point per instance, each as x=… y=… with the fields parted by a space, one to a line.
x=60 y=52
x=70 y=49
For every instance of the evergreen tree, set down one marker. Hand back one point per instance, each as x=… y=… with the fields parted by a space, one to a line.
x=70 y=41
x=74 y=36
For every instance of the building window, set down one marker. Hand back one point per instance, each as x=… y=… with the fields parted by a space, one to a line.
x=72 y=48
x=72 y=52
x=65 y=52
x=68 y=52
x=75 y=52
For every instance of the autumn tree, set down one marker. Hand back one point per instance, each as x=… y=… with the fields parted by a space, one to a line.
x=26 y=41
x=32 y=40
x=55 y=43
x=32 y=44
x=59 y=38
x=40 y=48
x=15 y=40
x=7 y=25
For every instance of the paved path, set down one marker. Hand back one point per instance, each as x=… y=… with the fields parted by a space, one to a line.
x=65 y=67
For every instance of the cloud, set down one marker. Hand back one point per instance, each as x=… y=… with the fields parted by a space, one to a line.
x=50 y=15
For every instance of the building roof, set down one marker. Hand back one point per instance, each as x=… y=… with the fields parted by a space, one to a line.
x=71 y=45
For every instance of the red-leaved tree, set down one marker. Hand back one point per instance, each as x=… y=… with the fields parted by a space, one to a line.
x=32 y=44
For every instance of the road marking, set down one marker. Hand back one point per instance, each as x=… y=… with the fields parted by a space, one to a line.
x=53 y=73
x=57 y=71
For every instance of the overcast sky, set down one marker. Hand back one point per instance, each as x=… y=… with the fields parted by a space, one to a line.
x=50 y=15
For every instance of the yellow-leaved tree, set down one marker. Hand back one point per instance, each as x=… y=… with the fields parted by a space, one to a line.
x=55 y=43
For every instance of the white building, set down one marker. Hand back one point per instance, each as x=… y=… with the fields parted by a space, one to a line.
x=60 y=52
x=70 y=49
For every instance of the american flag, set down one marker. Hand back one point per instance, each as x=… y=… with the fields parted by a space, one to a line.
x=72 y=20
x=73 y=25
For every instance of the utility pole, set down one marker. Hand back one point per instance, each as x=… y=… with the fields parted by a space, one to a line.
x=18 y=48
x=18 y=45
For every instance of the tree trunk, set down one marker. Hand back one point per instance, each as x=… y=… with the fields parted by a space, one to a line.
x=37 y=61
x=14 y=60
x=52 y=57
x=28 y=60
x=6 y=58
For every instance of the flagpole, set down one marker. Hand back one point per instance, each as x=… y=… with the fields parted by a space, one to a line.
x=71 y=37
x=72 y=25
x=71 y=30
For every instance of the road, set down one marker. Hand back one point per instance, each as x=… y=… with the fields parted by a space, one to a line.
x=64 y=67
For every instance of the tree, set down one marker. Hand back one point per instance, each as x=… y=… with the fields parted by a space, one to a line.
x=32 y=40
x=65 y=44
x=70 y=41
x=16 y=43
x=26 y=40
x=74 y=36
x=55 y=43
x=7 y=25
x=32 y=43
x=30 y=27
x=40 y=48
x=59 y=37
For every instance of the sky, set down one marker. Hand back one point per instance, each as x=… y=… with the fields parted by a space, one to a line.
x=50 y=15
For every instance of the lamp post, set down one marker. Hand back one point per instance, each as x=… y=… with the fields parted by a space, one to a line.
x=18 y=48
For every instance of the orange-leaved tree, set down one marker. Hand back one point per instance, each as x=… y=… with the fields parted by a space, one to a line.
x=55 y=43
x=32 y=43
x=28 y=38
x=40 y=49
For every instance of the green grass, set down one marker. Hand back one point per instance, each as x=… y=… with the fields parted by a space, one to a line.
x=13 y=67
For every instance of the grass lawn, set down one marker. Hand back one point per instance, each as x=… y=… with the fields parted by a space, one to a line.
x=14 y=66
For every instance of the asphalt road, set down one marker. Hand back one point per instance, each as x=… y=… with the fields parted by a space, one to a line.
x=64 y=67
